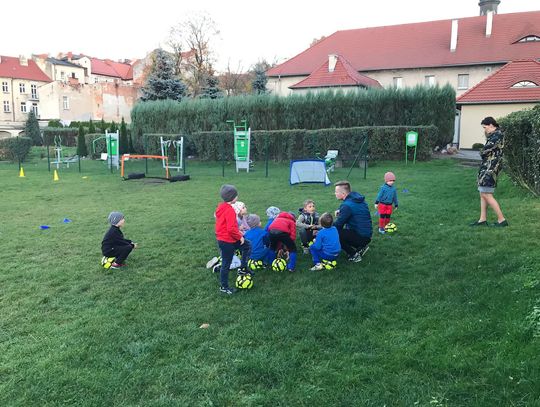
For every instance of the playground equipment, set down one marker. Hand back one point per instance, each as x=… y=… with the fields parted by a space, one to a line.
x=112 y=142
x=177 y=153
x=330 y=160
x=126 y=157
x=58 y=154
x=308 y=171
x=411 y=141
x=242 y=141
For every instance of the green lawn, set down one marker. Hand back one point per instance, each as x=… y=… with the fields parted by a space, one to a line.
x=435 y=314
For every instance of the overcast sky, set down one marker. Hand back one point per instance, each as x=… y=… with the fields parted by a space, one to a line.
x=249 y=30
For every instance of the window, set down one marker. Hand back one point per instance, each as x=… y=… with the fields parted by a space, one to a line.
x=463 y=81
x=23 y=107
x=398 y=82
x=530 y=38
x=35 y=109
x=6 y=106
x=62 y=76
x=73 y=75
x=33 y=91
x=429 y=80
x=5 y=88
x=65 y=100
x=525 y=84
x=22 y=88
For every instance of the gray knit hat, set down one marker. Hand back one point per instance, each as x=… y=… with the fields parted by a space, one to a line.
x=272 y=211
x=228 y=192
x=253 y=220
x=115 y=217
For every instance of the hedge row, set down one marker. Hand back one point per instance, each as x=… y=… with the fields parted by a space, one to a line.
x=373 y=107
x=15 y=148
x=387 y=142
x=522 y=148
x=67 y=134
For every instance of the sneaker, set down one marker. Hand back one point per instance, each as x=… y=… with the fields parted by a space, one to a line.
x=116 y=265
x=500 y=224
x=363 y=251
x=216 y=268
x=212 y=262
x=477 y=223
x=317 y=267
x=306 y=250
x=382 y=231
x=356 y=258
x=227 y=290
x=242 y=271
x=291 y=270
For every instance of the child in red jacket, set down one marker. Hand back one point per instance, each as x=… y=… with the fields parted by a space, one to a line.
x=229 y=237
x=283 y=230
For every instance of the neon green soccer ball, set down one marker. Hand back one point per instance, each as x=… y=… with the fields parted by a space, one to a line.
x=279 y=265
x=244 y=281
x=255 y=265
x=329 y=264
x=106 y=262
x=390 y=228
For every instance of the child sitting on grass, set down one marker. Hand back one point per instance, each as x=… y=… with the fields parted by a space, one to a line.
x=241 y=214
x=114 y=244
x=307 y=224
x=272 y=212
x=385 y=198
x=326 y=245
x=259 y=240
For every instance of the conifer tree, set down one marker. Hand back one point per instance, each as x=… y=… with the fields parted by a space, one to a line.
x=91 y=128
x=103 y=126
x=31 y=129
x=113 y=127
x=161 y=83
x=124 y=143
x=211 y=90
x=259 y=83
x=82 y=151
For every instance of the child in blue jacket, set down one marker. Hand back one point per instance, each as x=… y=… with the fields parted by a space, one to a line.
x=258 y=238
x=326 y=245
x=386 y=197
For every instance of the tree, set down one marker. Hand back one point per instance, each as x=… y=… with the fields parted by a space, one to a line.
x=103 y=126
x=235 y=82
x=161 y=83
x=31 y=129
x=113 y=127
x=194 y=36
x=82 y=151
x=124 y=143
x=259 y=82
x=131 y=149
x=91 y=128
x=211 y=90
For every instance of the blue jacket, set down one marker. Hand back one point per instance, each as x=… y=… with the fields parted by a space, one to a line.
x=354 y=214
x=327 y=240
x=387 y=195
x=259 y=241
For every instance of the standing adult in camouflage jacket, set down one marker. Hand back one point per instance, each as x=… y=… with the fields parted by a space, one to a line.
x=489 y=170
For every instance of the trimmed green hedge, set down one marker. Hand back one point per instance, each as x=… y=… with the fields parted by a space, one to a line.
x=383 y=143
x=67 y=134
x=375 y=107
x=15 y=148
x=522 y=148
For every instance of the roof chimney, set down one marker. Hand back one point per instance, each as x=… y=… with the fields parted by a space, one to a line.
x=332 y=60
x=489 y=23
x=23 y=60
x=488 y=5
x=453 y=37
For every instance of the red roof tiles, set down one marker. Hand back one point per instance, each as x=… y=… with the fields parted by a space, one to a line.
x=498 y=88
x=10 y=67
x=424 y=44
x=111 y=68
x=343 y=75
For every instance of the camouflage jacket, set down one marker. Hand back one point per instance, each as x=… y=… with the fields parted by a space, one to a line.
x=491 y=160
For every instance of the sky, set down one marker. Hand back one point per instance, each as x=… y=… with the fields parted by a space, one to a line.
x=249 y=31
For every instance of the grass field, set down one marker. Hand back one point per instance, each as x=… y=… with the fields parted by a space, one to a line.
x=438 y=314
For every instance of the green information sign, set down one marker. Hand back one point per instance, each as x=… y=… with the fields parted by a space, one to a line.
x=411 y=140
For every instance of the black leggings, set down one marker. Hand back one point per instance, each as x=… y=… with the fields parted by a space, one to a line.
x=351 y=241
x=277 y=236
x=120 y=252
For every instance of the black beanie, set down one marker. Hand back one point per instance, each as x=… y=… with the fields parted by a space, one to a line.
x=228 y=192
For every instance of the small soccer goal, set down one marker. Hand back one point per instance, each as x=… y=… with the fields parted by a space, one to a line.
x=309 y=171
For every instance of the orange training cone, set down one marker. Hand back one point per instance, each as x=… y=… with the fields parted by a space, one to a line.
x=55 y=178
x=21 y=173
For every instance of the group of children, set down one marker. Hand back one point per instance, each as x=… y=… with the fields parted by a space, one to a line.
x=236 y=231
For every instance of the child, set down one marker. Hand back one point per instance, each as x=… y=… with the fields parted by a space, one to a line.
x=241 y=214
x=307 y=223
x=229 y=237
x=326 y=245
x=386 y=197
x=283 y=230
x=114 y=244
x=258 y=238
x=272 y=212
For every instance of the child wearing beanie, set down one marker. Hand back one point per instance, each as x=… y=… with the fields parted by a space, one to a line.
x=229 y=237
x=259 y=240
x=114 y=244
x=272 y=212
x=386 y=197
x=241 y=214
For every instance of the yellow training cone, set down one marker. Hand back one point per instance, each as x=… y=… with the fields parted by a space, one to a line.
x=21 y=173
x=55 y=178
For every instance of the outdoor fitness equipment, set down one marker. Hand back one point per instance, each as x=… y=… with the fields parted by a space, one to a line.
x=242 y=140
x=178 y=150
x=112 y=142
x=58 y=154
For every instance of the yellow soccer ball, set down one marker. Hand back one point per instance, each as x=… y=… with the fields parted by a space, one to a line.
x=390 y=228
x=244 y=281
x=329 y=264
x=106 y=262
x=279 y=264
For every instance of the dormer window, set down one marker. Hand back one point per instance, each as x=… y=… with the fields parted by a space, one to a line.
x=530 y=38
x=524 y=84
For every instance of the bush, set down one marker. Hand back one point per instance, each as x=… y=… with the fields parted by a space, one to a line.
x=68 y=136
x=15 y=148
x=95 y=149
x=477 y=146
x=522 y=148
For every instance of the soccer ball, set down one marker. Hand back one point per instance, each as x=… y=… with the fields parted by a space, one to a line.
x=106 y=262
x=255 y=265
x=279 y=264
x=238 y=254
x=390 y=228
x=244 y=281
x=329 y=264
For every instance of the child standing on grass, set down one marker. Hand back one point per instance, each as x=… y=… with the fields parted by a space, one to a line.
x=307 y=223
x=283 y=230
x=114 y=244
x=326 y=245
x=386 y=197
x=229 y=237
